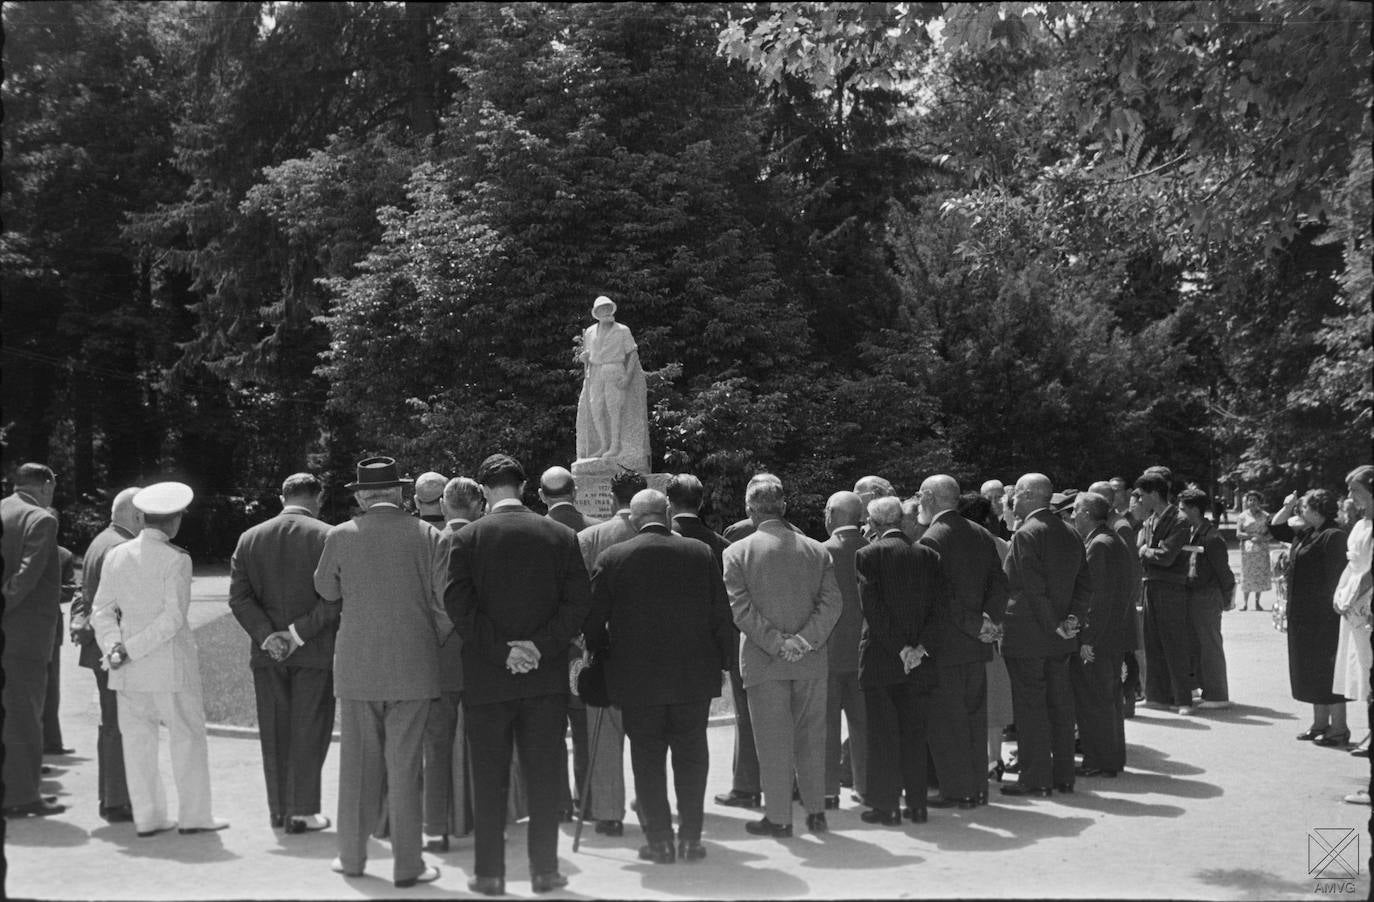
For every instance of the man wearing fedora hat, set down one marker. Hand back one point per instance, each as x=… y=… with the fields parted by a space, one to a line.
x=383 y=570
x=140 y=624
x=518 y=593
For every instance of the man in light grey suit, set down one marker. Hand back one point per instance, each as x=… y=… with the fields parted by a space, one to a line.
x=785 y=601
x=383 y=569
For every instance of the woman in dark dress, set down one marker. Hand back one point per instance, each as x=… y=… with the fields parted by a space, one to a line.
x=1314 y=627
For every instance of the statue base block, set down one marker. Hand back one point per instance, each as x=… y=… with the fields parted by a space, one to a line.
x=593 y=478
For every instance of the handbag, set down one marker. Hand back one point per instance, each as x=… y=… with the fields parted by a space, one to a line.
x=591 y=682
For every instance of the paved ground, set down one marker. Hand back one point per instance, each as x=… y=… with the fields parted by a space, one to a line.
x=1221 y=806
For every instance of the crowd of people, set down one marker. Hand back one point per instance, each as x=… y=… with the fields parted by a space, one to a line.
x=464 y=642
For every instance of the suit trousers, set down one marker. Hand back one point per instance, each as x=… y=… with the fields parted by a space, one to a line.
x=112 y=787
x=1204 y=614
x=1167 y=639
x=52 y=697
x=295 y=721
x=26 y=682
x=1098 y=708
x=1000 y=712
x=745 y=764
x=959 y=729
x=788 y=717
x=606 y=795
x=654 y=731
x=381 y=757
x=1042 y=701
x=446 y=768
x=533 y=727
x=184 y=715
x=898 y=724
x=844 y=695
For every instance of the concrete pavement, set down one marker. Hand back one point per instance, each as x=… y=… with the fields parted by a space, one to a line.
x=1220 y=805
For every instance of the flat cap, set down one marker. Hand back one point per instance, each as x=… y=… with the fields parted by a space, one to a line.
x=429 y=486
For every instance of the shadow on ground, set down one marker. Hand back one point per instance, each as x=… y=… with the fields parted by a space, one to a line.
x=1254 y=884
x=200 y=848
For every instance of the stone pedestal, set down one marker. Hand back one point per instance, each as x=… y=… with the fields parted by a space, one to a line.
x=593 y=478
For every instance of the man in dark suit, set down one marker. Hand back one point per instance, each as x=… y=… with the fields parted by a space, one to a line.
x=272 y=594
x=446 y=768
x=112 y=789
x=383 y=570
x=1096 y=672
x=558 y=491
x=976 y=601
x=1115 y=490
x=33 y=591
x=685 y=496
x=1165 y=571
x=901 y=588
x=844 y=513
x=659 y=612
x=1050 y=594
x=518 y=593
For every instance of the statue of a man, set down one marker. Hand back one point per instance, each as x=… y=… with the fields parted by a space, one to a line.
x=612 y=413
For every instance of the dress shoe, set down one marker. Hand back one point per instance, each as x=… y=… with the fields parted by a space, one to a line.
x=44 y=807
x=311 y=824
x=544 y=883
x=487 y=886
x=214 y=825
x=59 y=750
x=1333 y=740
x=691 y=850
x=878 y=816
x=117 y=814
x=154 y=831
x=1082 y=771
x=1312 y=733
x=1016 y=789
x=1361 y=752
x=610 y=828
x=952 y=802
x=736 y=799
x=916 y=815
x=428 y=875
x=832 y=803
x=1359 y=797
x=45 y=770
x=816 y=822
x=436 y=843
x=337 y=866
x=1064 y=787
x=658 y=852
x=765 y=827
x=1184 y=709
x=278 y=822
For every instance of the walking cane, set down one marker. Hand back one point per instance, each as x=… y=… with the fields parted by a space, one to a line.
x=587 y=780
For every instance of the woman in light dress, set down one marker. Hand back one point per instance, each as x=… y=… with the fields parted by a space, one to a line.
x=1352 y=598
x=1252 y=527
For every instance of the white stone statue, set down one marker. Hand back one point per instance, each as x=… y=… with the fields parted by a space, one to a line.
x=613 y=411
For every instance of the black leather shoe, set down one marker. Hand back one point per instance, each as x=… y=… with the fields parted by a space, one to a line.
x=916 y=815
x=437 y=844
x=59 y=750
x=428 y=875
x=658 y=852
x=952 y=802
x=1082 y=771
x=832 y=803
x=44 y=807
x=1016 y=789
x=610 y=828
x=765 y=827
x=1332 y=740
x=117 y=814
x=487 y=886
x=1312 y=733
x=736 y=799
x=878 y=816
x=544 y=883
x=1064 y=787
x=691 y=850
x=816 y=822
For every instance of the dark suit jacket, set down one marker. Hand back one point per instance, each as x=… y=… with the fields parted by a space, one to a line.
x=977 y=583
x=1047 y=579
x=451 y=652
x=515 y=575
x=1111 y=628
x=660 y=613
x=901 y=587
x=1213 y=566
x=1161 y=544
x=570 y=517
x=843 y=645
x=693 y=528
x=272 y=587
x=33 y=578
x=91 y=564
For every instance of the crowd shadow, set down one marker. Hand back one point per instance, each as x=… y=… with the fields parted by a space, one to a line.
x=726 y=872
x=1146 y=759
x=1252 y=883
x=1250 y=715
x=1087 y=800
x=999 y=827
x=854 y=848
x=316 y=845
x=1160 y=784
x=44 y=832
x=199 y=848
x=1168 y=719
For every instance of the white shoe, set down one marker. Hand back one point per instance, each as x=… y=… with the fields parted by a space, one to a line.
x=1358 y=798
x=1185 y=710
x=1214 y=705
x=215 y=824
x=309 y=824
x=337 y=867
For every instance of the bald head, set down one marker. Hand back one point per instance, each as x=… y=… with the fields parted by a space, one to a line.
x=557 y=484
x=1033 y=491
x=1104 y=488
x=843 y=509
x=648 y=506
x=992 y=487
x=943 y=492
x=870 y=487
x=885 y=513
x=123 y=513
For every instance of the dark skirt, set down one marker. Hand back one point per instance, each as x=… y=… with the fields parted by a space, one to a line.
x=1312 y=661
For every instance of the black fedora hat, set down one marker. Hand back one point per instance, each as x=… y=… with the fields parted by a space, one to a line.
x=377 y=473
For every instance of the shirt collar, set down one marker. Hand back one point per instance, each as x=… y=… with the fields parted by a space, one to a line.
x=1046 y=509
x=123 y=531
x=687 y=514
x=296 y=509
x=894 y=531
x=457 y=522
x=656 y=527
x=560 y=504
x=394 y=507
x=840 y=529
x=506 y=502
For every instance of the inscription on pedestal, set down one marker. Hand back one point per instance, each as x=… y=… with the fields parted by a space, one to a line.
x=594 y=498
